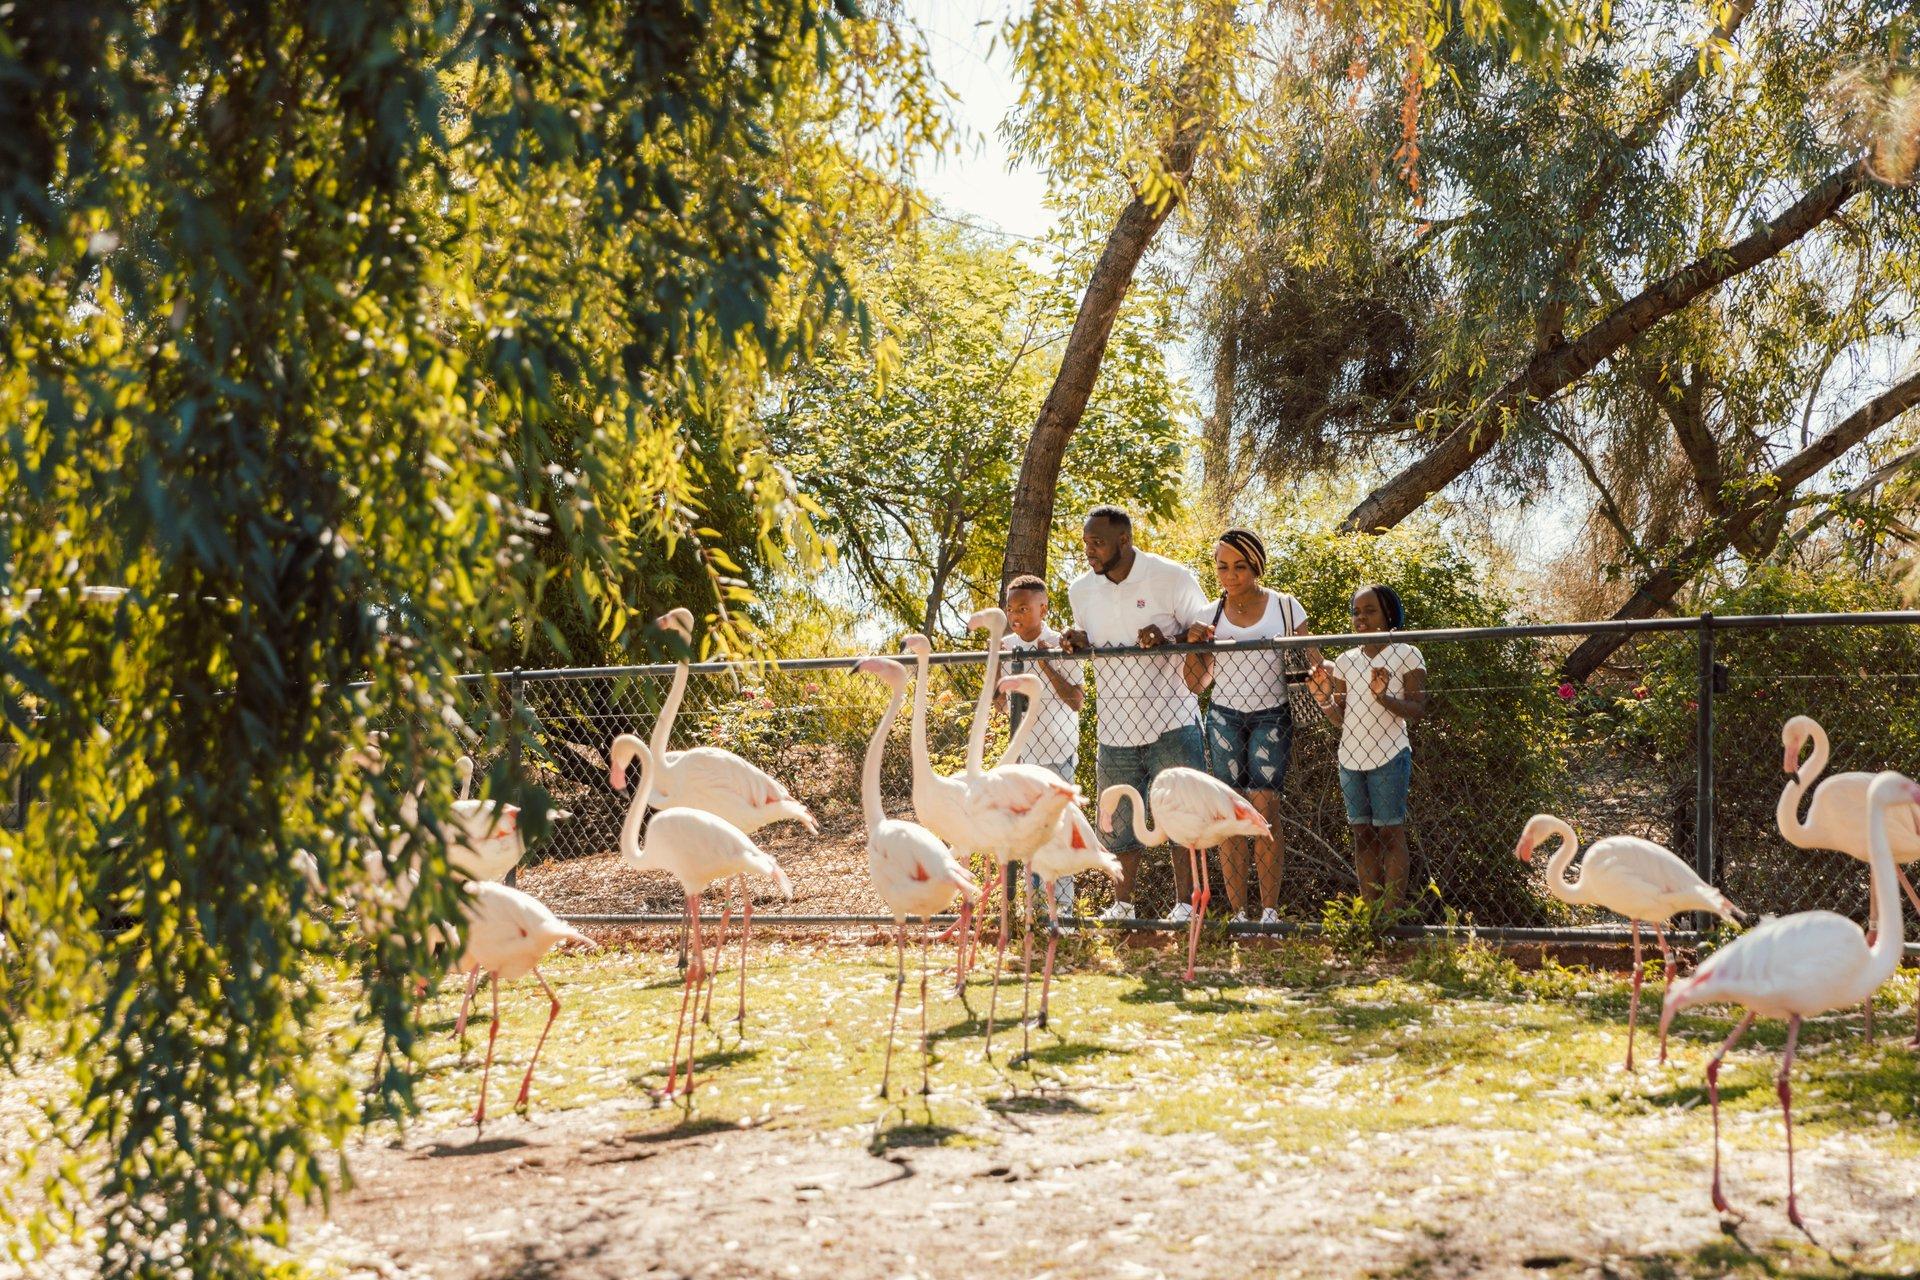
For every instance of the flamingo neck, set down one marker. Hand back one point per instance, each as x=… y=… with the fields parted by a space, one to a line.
x=1786 y=813
x=922 y=761
x=669 y=710
x=1564 y=889
x=1143 y=828
x=637 y=809
x=977 y=735
x=1890 y=942
x=870 y=772
x=1021 y=732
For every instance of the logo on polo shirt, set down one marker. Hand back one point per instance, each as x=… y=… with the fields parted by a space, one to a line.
x=1140 y=604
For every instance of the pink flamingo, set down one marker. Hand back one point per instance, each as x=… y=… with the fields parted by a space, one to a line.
x=697 y=849
x=1073 y=849
x=1837 y=820
x=1798 y=966
x=508 y=933
x=1636 y=878
x=1195 y=810
x=721 y=783
x=914 y=872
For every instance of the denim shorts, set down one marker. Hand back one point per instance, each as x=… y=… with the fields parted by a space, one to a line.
x=1249 y=750
x=1378 y=797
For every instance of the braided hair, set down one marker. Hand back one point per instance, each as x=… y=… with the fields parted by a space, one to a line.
x=1248 y=544
x=1390 y=605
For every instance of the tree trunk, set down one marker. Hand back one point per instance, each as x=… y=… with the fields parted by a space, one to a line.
x=1216 y=438
x=1658 y=590
x=1033 y=494
x=1550 y=372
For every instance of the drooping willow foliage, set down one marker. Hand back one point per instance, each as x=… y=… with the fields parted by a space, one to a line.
x=351 y=340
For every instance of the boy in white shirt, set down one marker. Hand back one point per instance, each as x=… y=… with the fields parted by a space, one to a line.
x=1053 y=742
x=1373 y=692
x=1147 y=718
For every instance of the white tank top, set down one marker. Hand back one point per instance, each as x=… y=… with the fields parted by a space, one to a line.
x=1256 y=681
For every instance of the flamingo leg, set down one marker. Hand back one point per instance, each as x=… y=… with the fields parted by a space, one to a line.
x=1713 y=1097
x=699 y=975
x=963 y=924
x=460 y=1023
x=686 y=988
x=1026 y=963
x=1633 y=1003
x=1783 y=1085
x=1666 y=956
x=926 y=1048
x=719 y=941
x=493 y=1031
x=553 y=1011
x=1053 y=936
x=999 y=959
x=746 y=932
x=1913 y=897
x=899 y=985
x=1193 y=923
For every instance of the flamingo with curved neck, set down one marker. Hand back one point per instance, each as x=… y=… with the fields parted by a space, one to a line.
x=1837 y=819
x=912 y=870
x=698 y=849
x=1195 y=810
x=1636 y=878
x=1802 y=965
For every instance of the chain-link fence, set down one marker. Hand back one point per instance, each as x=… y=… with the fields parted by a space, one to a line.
x=1684 y=713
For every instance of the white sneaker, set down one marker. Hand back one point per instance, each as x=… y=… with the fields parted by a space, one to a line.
x=1240 y=917
x=1182 y=912
x=1269 y=916
x=1118 y=911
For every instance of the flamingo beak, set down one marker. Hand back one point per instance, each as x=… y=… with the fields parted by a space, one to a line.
x=617 y=776
x=1791 y=761
x=1524 y=850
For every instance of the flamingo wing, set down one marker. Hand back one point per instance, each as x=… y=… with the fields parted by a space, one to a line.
x=1805 y=963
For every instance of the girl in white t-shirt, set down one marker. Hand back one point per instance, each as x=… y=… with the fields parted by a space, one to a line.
x=1249 y=724
x=1373 y=692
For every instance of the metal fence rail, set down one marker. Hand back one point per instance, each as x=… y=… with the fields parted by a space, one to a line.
x=1676 y=739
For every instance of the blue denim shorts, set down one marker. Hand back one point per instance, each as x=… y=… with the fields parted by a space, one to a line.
x=1378 y=797
x=1249 y=750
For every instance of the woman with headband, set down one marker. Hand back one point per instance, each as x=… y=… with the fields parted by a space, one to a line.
x=1249 y=724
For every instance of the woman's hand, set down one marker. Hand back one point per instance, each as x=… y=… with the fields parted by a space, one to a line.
x=1199 y=633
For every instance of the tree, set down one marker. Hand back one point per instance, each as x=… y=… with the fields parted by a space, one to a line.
x=913 y=462
x=317 y=321
x=1620 y=265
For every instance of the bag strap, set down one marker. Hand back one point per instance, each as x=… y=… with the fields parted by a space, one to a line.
x=1217 y=611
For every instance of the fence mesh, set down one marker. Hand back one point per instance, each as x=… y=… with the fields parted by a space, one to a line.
x=1502 y=737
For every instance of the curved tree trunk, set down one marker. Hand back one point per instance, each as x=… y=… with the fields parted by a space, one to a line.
x=1033 y=493
x=1657 y=591
x=1552 y=371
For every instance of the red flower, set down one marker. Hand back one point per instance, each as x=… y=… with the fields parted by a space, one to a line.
x=1640 y=692
x=1566 y=691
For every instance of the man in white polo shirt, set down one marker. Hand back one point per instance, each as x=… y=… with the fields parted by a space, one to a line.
x=1147 y=718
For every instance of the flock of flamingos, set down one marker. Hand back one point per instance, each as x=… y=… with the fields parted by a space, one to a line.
x=709 y=802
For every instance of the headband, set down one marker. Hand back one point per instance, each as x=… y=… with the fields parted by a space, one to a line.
x=1248 y=544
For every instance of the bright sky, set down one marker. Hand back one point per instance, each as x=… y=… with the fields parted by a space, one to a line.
x=977 y=181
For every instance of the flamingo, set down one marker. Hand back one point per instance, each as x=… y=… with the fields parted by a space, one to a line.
x=1195 y=810
x=1636 y=878
x=1006 y=812
x=915 y=873
x=463 y=770
x=716 y=781
x=1073 y=849
x=697 y=849
x=508 y=933
x=1837 y=818
x=1801 y=965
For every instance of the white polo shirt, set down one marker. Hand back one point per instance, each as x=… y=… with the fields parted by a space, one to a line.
x=1139 y=698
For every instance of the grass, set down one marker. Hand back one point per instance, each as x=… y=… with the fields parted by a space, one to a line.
x=1283 y=1051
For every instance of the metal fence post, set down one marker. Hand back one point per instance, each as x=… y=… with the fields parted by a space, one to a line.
x=1703 y=847
x=516 y=705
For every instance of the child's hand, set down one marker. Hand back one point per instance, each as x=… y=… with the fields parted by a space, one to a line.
x=1320 y=681
x=1380 y=678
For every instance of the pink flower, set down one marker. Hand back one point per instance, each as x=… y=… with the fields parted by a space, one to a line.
x=1566 y=691
x=812 y=687
x=1640 y=692
x=1693 y=704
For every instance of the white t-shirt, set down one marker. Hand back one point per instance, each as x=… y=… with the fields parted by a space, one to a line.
x=1140 y=698
x=1055 y=736
x=1256 y=681
x=1371 y=735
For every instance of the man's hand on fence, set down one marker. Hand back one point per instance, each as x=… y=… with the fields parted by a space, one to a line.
x=1151 y=637
x=1074 y=640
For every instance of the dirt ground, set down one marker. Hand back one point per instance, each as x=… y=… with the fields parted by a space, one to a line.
x=1054 y=1189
